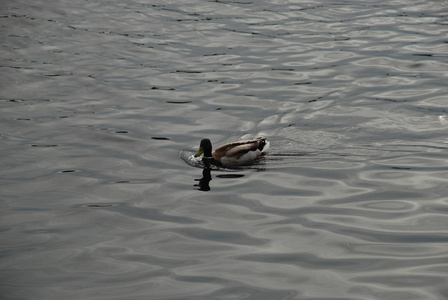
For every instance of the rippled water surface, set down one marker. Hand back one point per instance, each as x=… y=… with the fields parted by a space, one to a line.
x=104 y=102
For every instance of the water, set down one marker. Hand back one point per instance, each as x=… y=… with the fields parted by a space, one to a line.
x=103 y=102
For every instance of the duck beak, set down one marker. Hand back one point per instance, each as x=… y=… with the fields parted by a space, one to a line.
x=199 y=153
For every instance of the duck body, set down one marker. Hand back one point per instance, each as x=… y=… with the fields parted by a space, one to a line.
x=233 y=154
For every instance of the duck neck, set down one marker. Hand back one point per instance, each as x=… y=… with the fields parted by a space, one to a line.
x=208 y=152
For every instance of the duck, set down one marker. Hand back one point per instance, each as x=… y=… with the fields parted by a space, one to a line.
x=233 y=154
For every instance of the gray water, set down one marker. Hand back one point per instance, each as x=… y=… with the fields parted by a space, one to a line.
x=104 y=102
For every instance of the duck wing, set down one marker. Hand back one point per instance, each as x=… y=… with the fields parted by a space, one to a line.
x=238 y=149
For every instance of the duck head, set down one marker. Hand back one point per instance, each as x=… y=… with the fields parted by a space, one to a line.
x=205 y=148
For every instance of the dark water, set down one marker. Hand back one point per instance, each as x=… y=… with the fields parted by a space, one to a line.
x=103 y=102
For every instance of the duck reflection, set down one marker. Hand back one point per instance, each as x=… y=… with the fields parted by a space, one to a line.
x=204 y=182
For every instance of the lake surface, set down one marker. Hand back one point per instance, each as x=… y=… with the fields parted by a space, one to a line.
x=104 y=102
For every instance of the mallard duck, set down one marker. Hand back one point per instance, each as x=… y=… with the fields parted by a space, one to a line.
x=233 y=154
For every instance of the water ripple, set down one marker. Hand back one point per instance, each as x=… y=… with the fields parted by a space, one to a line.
x=99 y=99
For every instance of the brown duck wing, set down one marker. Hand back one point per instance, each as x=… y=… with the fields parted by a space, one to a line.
x=236 y=149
